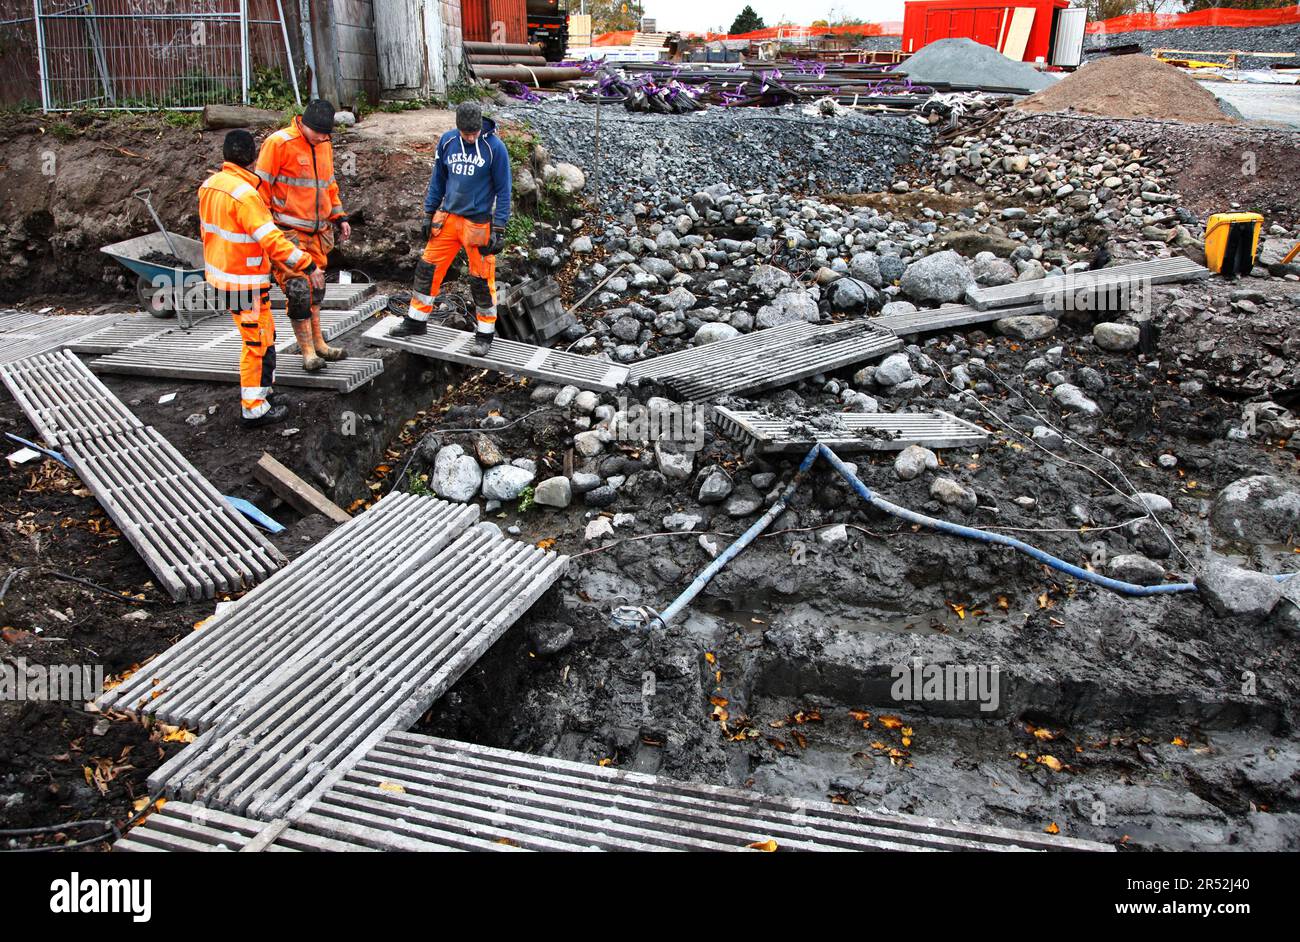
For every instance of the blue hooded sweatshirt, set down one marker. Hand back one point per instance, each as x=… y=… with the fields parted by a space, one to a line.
x=471 y=180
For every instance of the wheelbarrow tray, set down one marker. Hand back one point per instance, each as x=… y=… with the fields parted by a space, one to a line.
x=130 y=252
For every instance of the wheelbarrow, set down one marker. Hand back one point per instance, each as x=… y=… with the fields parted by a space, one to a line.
x=175 y=281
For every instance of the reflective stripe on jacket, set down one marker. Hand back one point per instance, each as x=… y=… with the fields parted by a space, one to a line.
x=239 y=238
x=297 y=180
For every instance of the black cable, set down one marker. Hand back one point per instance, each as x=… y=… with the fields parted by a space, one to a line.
x=67 y=577
x=114 y=833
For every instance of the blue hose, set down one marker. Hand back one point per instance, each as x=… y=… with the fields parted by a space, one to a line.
x=911 y=516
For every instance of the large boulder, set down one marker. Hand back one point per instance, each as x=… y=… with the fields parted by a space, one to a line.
x=1238 y=593
x=505 y=482
x=940 y=277
x=456 y=475
x=1258 y=509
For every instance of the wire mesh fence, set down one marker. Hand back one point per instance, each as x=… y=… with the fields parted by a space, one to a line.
x=142 y=54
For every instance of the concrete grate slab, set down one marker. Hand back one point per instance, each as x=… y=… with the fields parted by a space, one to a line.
x=766 y=359
x=506 y=356
x=304 y=610
x=849 y=431
x=1154 y=272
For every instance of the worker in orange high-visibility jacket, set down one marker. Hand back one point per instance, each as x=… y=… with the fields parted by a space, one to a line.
x=468 y=204
x=240 y=241
x=296 y=167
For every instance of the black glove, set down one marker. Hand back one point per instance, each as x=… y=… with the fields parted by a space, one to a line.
x=427 y=228
x=496 y=242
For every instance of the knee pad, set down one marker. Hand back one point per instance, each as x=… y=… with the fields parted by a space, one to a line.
x=298 y=294
x=482 y=294
x=423 y=276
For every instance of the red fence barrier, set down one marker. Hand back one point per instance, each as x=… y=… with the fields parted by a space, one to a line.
x=1215 y=16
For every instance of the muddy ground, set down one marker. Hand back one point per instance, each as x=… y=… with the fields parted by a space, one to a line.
x=1149 y=723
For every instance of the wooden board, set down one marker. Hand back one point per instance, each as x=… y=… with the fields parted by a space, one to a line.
x=300 y=495
x=1022 y=21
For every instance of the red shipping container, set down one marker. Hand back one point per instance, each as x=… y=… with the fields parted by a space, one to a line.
x=985 y=21
x=494 y=21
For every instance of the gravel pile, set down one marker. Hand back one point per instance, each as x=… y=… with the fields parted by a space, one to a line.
x=1254 y=39
x=744 y=147
x=966 y=62
x=1130 y=87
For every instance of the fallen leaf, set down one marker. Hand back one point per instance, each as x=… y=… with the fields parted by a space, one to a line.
x=890 y=722
x=1052 y=828
x=768 y=846
x=392 y=787
x=1051 y=762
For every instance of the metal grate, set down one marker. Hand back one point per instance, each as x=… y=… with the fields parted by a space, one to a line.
x=948 y=318
x=849 y=431
x=506 y=356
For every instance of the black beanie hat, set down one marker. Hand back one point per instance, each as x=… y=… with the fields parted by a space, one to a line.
x=319 y=116
x=239 y=148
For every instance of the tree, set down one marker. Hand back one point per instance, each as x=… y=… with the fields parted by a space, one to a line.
x=609 y=16
x=746 y=22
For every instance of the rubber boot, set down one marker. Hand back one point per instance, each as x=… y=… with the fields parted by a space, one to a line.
x=482 y=342
x=324 y=350
x=302 y=333
x=274 y=414
x=409 y=327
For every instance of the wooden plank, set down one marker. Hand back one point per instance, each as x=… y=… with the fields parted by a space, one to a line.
x=298 y=493
x=1022 y=21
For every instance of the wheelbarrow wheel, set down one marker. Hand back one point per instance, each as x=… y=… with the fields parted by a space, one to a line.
x=158 y=303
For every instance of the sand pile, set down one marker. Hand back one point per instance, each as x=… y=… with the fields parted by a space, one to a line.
x=1130 y=87
x=966 y=62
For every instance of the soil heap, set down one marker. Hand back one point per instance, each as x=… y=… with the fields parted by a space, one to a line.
x=1130 y=87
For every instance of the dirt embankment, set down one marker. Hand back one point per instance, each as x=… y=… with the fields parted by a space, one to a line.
x=1130 y=87
x=68 y=181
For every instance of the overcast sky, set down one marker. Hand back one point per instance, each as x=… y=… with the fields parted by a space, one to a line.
x=700 y=15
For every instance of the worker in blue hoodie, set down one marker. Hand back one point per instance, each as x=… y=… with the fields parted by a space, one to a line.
x=468 y=206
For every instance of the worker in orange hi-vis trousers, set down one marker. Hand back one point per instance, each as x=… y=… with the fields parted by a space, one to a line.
x=296 y=167
x=468 y=204
x=240 y=241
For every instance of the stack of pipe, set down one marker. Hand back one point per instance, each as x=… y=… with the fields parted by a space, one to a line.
x=515 y=62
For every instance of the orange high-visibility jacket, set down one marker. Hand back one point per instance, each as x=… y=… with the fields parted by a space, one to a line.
x=298 y=180
x=239 y=238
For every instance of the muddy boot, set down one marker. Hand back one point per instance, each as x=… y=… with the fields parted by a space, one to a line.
x=274 y=414
x=482 y=343
x=409 y=327
x=302 y=333
x=324 y=350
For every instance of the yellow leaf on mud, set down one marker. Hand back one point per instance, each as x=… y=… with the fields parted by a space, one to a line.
x=1179 y=741
x=1051 y=762
x=719 y=701
x=877 y=745
x=1021 y=755
x=709 y=656
x=179 y=735
x=907 y=740
x=605 y=762
x=890 y=722
x=768 y=846
x=1044 y=734
x=860 y=716
x=392 y=787
x=1052 y=828
x=546 y=543
x=1003 y=603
